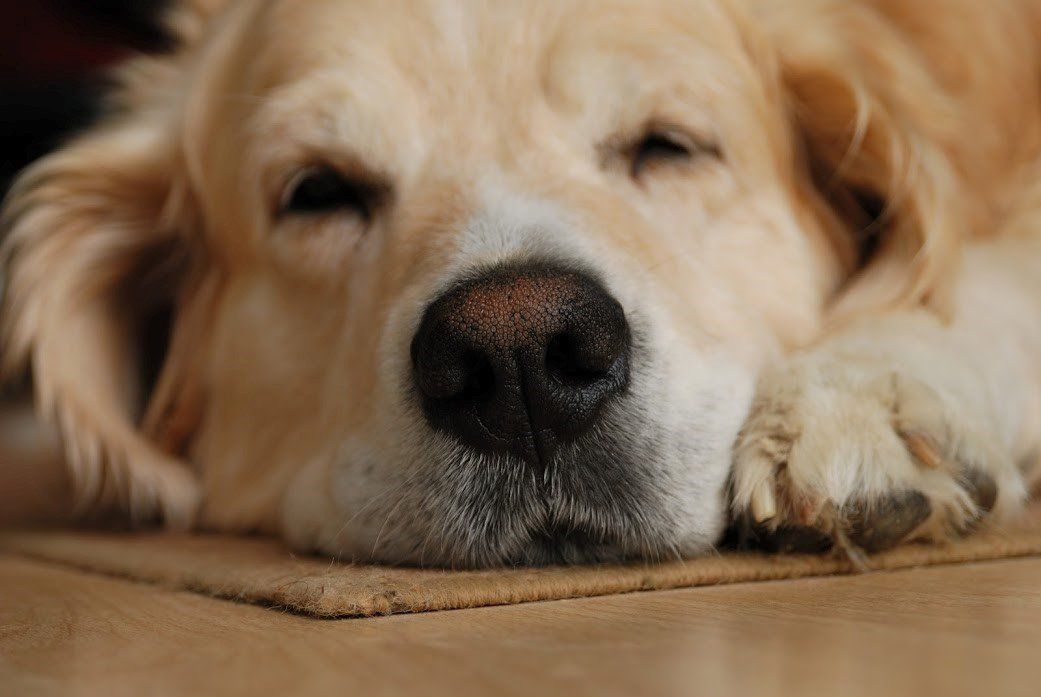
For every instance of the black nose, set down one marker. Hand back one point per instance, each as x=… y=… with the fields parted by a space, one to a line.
x=521 y=360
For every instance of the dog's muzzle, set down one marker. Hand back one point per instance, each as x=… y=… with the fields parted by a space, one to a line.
x=521 y=360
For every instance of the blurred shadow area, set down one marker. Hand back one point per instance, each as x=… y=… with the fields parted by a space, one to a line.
x=53 y=56
x=34 y=482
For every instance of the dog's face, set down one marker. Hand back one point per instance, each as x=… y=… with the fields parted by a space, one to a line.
x=499 y=277
x=478 y=283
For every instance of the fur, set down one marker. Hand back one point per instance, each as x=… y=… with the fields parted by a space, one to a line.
x=836 y=296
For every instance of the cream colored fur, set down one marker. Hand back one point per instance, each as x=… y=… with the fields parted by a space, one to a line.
x=863 y=366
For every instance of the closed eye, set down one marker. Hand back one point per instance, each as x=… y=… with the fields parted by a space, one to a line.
x=664 y=146
x=325 y=191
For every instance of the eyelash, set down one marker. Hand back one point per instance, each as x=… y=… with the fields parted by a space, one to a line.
x=325 y=191
x=662 y=146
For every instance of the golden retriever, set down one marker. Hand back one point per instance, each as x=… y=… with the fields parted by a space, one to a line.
x=465 y=282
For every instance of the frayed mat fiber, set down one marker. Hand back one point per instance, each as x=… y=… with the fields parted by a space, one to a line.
x=263 y=571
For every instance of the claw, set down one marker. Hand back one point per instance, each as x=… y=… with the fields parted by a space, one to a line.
x=923 y=448
x=764 y=504
x=982 y=488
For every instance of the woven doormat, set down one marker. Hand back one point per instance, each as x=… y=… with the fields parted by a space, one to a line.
x=263 y=571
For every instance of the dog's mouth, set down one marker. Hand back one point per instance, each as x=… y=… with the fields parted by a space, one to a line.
x=606 y=498
x=614 y=477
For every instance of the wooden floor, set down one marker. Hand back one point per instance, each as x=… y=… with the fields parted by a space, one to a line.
x=968 y=630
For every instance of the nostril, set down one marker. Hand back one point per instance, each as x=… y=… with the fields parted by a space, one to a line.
x=566 y=364
x=520 y=360
x=584 y=358
x=480 y=376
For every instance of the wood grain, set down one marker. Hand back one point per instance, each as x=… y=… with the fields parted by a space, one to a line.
x=960 y=630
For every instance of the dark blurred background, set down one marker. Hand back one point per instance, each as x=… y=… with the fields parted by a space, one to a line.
x=52 y=59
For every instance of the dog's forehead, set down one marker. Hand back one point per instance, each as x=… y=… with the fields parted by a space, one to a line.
x=444 y=40
x=397 y=77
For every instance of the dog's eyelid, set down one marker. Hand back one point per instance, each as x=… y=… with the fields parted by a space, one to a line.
x=695 y=144
x=661 y=143
x=323 y=189
x=672 y=134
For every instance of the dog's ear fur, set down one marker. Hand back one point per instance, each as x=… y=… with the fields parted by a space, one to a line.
x=85 y=229
x=885 y=116
x=188 y=20
x=95 y=237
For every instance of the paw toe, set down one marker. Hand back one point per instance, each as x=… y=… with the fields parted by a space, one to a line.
x=886 y=523
x=982 y=489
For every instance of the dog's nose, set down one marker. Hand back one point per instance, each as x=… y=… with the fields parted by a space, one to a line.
x=521 y=360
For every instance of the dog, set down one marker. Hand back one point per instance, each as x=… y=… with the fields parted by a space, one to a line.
x=463 y=283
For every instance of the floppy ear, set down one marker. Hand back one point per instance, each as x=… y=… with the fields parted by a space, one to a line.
x=887 y=100
x=888 y=196
x=188 y=19
x=97 y=239
x=93 y=243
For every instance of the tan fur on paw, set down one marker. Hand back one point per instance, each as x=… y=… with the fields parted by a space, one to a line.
x=852 y=456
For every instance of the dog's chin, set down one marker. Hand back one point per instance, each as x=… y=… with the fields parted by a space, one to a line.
x=570 y=545
x=544 y=545
x=565 y=545
x=595 y=504
x=645 y=485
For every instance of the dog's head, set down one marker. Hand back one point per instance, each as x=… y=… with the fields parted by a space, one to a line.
x=469 y=283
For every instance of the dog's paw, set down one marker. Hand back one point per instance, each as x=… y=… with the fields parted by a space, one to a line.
x=848 y=453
